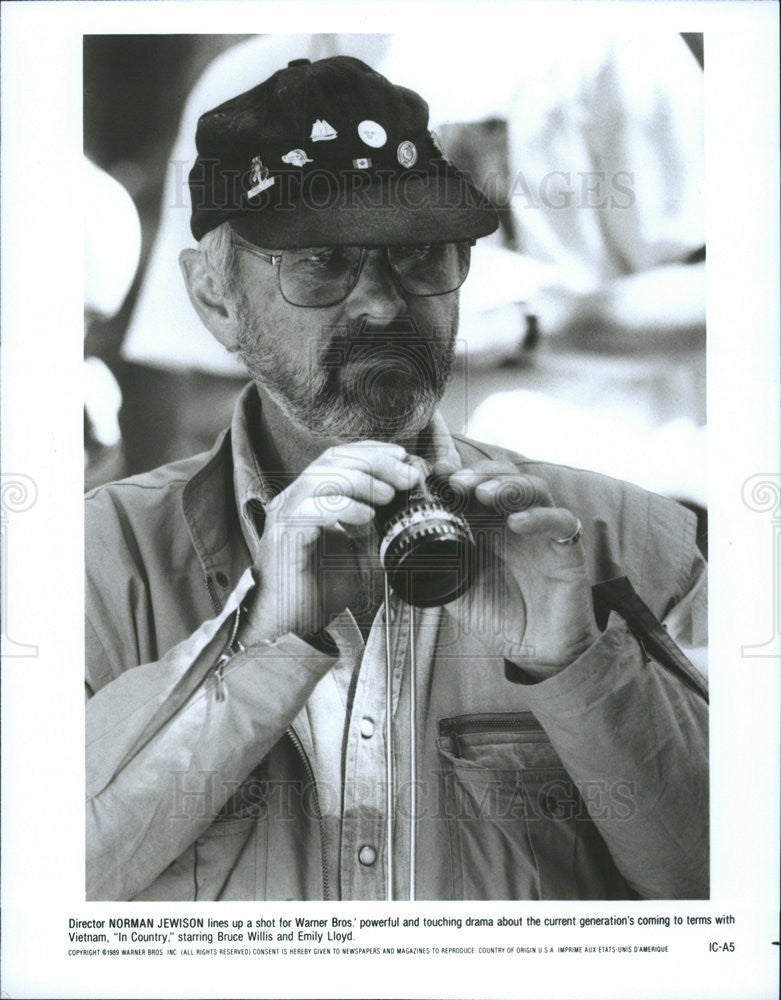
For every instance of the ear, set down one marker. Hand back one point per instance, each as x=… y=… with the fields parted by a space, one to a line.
x=208 y=301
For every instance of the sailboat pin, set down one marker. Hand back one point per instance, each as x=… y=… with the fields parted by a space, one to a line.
x=322 y=131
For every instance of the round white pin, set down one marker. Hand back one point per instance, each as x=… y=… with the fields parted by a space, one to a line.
x=407 y=153
x=372 y=133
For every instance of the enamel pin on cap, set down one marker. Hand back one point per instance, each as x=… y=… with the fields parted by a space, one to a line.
x=372 y=133
x=259 y=177
x=322 y=131
x=362 y=163
x=407 y=153
x=296 y=157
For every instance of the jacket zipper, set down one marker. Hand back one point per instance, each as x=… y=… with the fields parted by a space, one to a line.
x=228 y=650
x=311 y=774
x=213 y=595
x=477 y=723
x=462 y=724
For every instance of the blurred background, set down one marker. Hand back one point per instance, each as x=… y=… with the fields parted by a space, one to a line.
x=582 y=338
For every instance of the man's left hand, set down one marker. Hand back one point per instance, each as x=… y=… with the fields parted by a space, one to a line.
x=530 y=599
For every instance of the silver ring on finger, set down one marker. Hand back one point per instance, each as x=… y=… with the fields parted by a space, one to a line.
x=572 y=539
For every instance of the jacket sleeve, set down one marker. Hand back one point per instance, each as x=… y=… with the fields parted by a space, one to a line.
x=635 y=741
x=168 y=743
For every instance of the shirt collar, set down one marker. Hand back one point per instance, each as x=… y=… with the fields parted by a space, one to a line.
x=254 y=490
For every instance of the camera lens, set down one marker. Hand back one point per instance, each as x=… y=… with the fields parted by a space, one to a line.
x=426 y=549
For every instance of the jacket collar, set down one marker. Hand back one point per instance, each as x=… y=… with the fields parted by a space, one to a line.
x=223 y=502
x=209 y=509
x=252 y=487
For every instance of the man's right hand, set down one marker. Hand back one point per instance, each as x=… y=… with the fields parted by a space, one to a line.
x=341 y=487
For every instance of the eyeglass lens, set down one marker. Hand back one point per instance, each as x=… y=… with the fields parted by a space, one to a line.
x=325 y=275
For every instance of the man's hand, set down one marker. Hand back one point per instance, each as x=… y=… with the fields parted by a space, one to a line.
x=530 y=600
x=305 y=568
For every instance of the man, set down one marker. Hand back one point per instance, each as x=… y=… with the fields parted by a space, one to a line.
x=250 y=689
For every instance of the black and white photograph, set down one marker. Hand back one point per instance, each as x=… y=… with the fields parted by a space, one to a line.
x=516 y=717
x=411 y=421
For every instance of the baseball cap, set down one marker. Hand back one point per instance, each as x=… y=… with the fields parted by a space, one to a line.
x=330 y=153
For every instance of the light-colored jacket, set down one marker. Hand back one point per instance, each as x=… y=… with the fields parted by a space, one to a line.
x=592 y=784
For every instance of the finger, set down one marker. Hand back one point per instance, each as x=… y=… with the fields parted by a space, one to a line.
x=389 y=462
x=513 y=492
x=324 y=482
x=461 y=485
x=444 y=468
x=353 y=447
x=375 y=483
x=557 y=523
x=327 y=511
x=470 y=476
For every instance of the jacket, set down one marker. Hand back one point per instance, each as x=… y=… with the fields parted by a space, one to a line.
x=591 y=784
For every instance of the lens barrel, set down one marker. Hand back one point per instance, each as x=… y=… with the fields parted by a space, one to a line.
x=426 y=549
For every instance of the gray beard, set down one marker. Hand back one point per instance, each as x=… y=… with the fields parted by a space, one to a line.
x=381 y=383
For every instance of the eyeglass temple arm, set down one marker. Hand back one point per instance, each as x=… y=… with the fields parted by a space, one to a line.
x=269 y=258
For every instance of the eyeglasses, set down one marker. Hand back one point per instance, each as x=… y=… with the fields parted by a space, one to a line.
x=323 y=276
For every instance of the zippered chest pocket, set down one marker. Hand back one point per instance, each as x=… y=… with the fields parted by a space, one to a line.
x=506 y=740
x=517 y=824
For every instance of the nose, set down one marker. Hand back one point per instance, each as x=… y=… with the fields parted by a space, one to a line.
x=376 y=293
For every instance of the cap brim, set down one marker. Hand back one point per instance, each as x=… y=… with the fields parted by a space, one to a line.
x=425 y=208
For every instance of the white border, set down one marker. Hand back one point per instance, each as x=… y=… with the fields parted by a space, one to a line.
x=42 y=859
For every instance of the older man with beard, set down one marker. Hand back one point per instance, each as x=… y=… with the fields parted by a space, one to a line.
x=266 y=720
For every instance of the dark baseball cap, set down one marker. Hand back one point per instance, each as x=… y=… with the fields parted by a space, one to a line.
x=330 y=152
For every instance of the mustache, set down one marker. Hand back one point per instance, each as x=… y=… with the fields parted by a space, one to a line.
x=379 y=361
x=397 y=337
x=374 y=331
x=378 y=328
